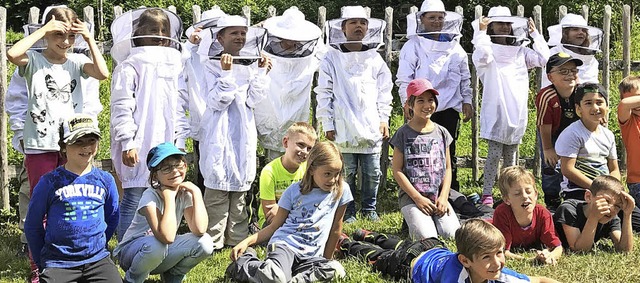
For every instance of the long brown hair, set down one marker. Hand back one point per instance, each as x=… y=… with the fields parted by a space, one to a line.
x=148 y=19
x=321 y=154
x=63 y=14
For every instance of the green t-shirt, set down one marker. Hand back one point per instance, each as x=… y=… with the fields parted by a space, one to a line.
x=274 y=179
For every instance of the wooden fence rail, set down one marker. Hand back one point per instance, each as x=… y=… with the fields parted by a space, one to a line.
x=390 y=56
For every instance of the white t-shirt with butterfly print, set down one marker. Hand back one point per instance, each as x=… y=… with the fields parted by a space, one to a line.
x=54 y=93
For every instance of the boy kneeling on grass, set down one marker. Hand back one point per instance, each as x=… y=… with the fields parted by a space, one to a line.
x=480 y=256
x=580 y=224
x=524 y=223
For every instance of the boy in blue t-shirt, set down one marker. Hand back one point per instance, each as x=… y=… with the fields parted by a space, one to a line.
x=480 y=256
x=80 y=205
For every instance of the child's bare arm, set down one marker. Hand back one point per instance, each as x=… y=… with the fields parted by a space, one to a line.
x=550 y=155
x=510 y=255
x=17 y=54
x=196 y=214
x=98 y=67
x=569 y=170
x=583 y=240
x=442 y=203
x=163 y=225
x=262 y=235
x=623 y=240
x=614 y=170
x=626 y=107
x=336 y=231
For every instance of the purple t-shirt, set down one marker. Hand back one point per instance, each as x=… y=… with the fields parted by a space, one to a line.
x=424 y=159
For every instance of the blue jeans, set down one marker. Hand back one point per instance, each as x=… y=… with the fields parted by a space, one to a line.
x=369 y=165
x=147 y=255
x=128 y=208
x=551 y=179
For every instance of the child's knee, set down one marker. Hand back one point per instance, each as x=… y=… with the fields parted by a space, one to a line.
x=205 y=245
x=271 y=272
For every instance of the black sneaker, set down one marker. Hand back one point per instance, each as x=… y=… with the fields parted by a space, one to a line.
x=360 y=234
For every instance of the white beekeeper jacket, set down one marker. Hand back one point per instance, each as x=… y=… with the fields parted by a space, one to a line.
x=354 y=97
x=145 y=108
x=288 y=99
x=228 y=146
x=503 y=70
x=193 y=88
x=444 y=64
x=587 y=73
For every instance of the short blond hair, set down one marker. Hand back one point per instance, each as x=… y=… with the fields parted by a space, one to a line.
x=302 y=128
x=629 y=84
x=606 y=183
x=476 y=236
x=512 y=174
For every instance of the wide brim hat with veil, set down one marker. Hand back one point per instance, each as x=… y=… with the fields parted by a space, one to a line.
x=208 y=19
x=451 y=27
x=291 y=26
x=519 y=25
x=254 y=43
x=80 y=44
x=124 y=27
x=372 y=39
x=573 y=20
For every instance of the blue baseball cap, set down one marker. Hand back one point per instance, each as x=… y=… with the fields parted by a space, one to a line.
x=160 y=152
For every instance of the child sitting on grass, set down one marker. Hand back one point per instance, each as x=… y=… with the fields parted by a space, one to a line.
x=303 y=235
x=581 y=223
x=285 y=170
x=480 y=256
x=80 y=205
x=524 y=223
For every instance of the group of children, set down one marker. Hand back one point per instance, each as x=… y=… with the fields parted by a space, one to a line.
x=233 y=84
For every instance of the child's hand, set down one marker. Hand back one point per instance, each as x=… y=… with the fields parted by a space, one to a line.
x=384 y=130
x=189 y=187
x=425 y=205
x=130 y=157
x=264 y=62
x=544 y=257
x=467 y=112
x=405 y=111
x=238 y=250
x=56 y=26
x=195 y=36
x=532 y=26
x=330 y=135
x=81 y=28
x=483 y=23
x=273 y=210
x=442 y=206
x=226 y=61
x=551 y=157
x=628 y=203
x=168 y=192
x=600 y=207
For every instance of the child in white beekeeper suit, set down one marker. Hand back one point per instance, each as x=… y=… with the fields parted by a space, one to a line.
x=354 y=100
x=433 y=52
x=292 y=45
x=575 y=37
x=502 y=60
x=145 y=108
x=236 y=78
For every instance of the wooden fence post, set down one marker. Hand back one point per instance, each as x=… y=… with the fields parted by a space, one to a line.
x=537 y=166
x=322 y=19
x=34 y=15
x=520 y=11
x=271 y=12
x=606 y=60
x=246 y=13
x=562 y=11
x=4 y=153
x=100 y=20
x=388 y=48
x=585 y=12
x=475 y=84
x=172 y=9
x=117 y=11
x=196 y=13
x=626 y=65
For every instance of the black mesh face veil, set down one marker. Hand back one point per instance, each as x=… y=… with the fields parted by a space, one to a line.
x=519 y=34
x=254 y=43
x=372 y=39
x=451 y=26
x=289 y=48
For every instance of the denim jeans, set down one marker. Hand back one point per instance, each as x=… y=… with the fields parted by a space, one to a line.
x=369 y=165
x=551 y=179
x=128 y=208
x=634 y=191
x=147 y=255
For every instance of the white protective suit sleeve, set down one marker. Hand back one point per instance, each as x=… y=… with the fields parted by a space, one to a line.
x=16 y=102
x=540 y=54
x=385 y=98
x=258 y=88
x=123 y=104
x=221 y=86
x=482 y=52
x=406 y=69
x=324 y=96
x=465 y=79
x=182 y=122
